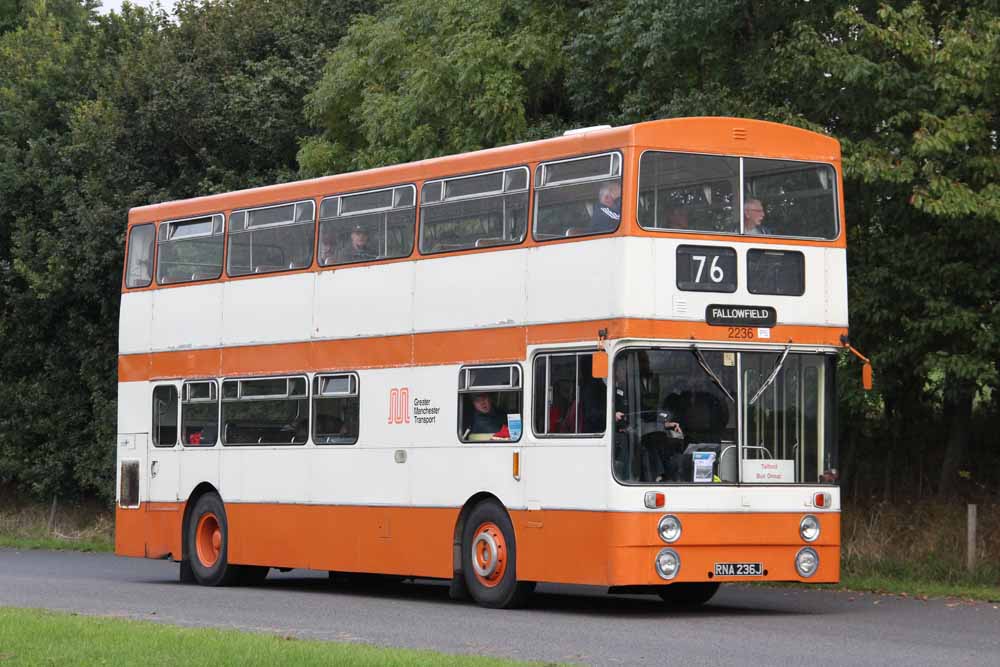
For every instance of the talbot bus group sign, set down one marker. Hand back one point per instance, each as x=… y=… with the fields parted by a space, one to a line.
x=741 y=316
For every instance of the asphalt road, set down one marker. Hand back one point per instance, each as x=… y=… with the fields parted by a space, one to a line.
x=742 y=625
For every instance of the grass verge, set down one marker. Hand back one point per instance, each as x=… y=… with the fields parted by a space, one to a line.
x=76 y=527
x=55 y=543
x=919 y=589
x=918 y=549
x=32 y=637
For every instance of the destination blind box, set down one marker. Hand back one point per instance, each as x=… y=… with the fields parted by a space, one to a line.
x=741 y=316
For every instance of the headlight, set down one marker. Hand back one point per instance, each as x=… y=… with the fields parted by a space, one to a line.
x=809 y=528
x=669 y=528
x=668 y=563
x=806 y=562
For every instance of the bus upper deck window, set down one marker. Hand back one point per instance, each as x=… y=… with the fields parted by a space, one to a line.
x=367 y=226
x=687 y=192
x=787 y=198
x=577 y=197
x=476 y=211
x=190 y=249
x=271 y=238
x=139 y=268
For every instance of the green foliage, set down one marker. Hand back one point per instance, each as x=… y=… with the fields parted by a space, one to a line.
x=420 y=80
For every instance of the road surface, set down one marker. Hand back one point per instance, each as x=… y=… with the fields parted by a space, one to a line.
x=742 y=625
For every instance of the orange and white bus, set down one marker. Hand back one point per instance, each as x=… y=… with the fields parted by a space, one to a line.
x=605 y=358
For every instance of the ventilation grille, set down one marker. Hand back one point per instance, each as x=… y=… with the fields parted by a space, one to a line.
x=739 y=134
x=128 y=495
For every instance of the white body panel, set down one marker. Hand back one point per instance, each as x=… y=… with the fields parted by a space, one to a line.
x=471 y=291
x=364 y=301
x=268 y=310
x=615 y=277
x=195 y=313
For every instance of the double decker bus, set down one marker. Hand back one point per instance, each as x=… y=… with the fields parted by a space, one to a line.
x=605 y=358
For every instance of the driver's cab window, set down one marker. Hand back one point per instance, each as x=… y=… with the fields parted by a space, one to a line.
x=675 y=416
x=489 y=403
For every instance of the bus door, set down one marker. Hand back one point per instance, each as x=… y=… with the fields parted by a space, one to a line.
x=163 y=455
x=566 y=465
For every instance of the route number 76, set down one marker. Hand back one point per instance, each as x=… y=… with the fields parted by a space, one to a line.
x=706 y=268
x=715 y=272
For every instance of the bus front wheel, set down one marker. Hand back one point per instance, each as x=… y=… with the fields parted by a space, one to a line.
x=208 y=543
x=489 y=558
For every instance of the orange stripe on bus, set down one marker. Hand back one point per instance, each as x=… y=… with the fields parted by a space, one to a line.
x=475 y=346
x=560 y=546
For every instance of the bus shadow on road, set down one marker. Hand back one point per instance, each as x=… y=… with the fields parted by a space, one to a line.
x=584 y=600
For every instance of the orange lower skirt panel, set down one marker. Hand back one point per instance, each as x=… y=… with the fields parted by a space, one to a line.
x=559 y=546
x=152 y=530
x=390 y=540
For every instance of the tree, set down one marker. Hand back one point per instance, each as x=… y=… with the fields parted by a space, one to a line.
x=913 y=93
x=419 y=80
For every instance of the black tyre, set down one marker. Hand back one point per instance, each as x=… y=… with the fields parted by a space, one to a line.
x=489 y=558
x=688 y=594
x=208 y=543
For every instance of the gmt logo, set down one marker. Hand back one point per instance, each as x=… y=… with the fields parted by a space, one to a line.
x=399 y=405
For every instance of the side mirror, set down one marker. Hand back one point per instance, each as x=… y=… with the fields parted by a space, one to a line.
x=866 y=376
x=600 y=364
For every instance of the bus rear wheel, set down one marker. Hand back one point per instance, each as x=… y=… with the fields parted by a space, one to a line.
x=688 y=594
x=208 y=543
x=489 y=558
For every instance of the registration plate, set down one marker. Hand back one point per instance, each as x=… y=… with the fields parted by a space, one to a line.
x=739 y=569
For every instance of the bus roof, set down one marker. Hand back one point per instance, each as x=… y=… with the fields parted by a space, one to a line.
x=713 y=135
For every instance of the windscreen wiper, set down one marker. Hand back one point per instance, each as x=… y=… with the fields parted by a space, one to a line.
x=705 y=367
x=770 y=378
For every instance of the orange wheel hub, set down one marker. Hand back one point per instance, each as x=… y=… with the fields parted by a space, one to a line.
x=208 y=539
x=489 y=554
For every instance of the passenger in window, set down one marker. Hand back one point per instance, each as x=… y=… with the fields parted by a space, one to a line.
x=607 y=212
x=485 y=418
x=677 y=218
x=359 y=249
x=204 y=436
x=753 y=216
x=327 y=247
